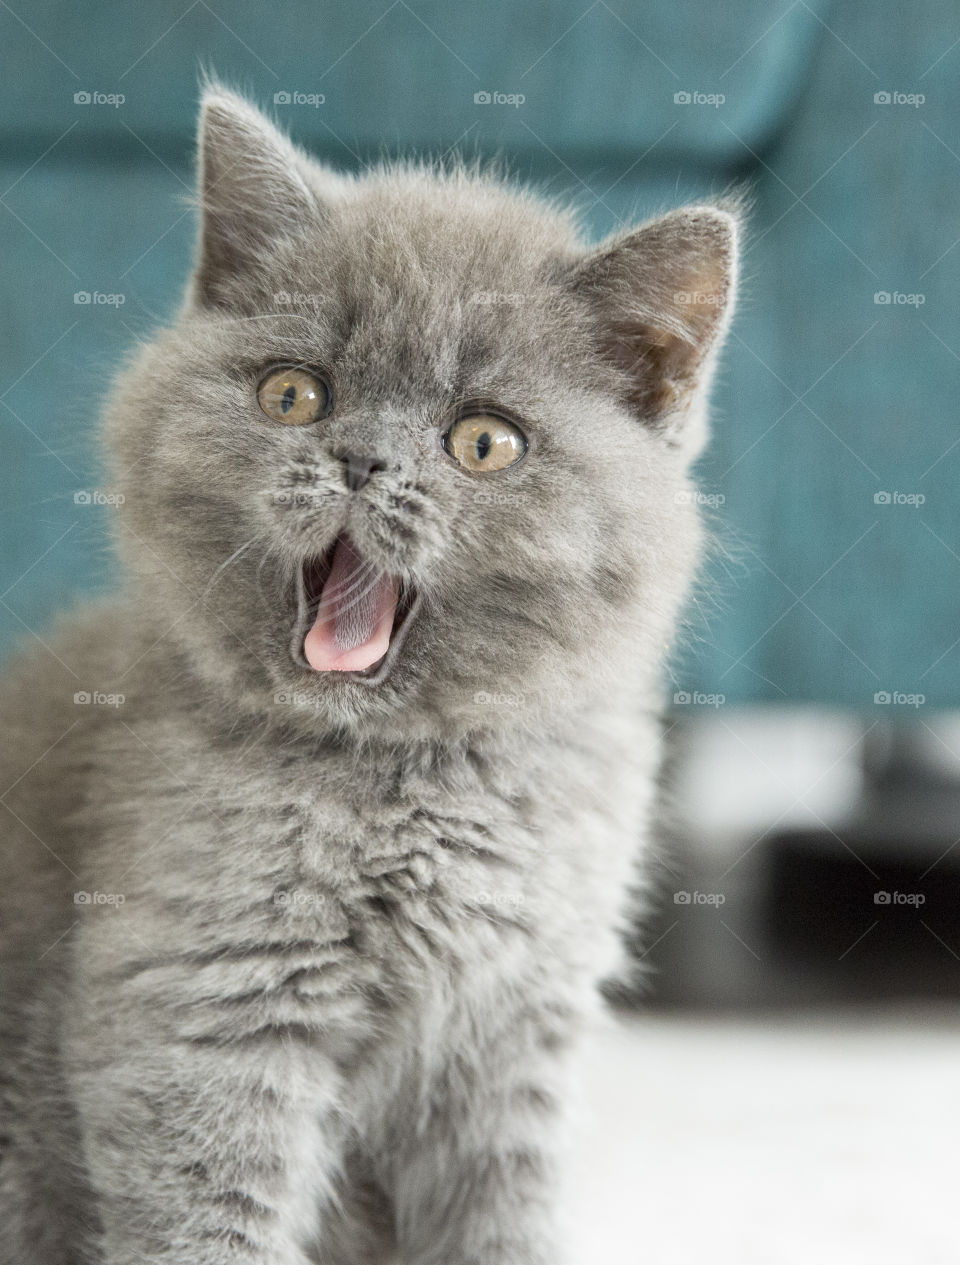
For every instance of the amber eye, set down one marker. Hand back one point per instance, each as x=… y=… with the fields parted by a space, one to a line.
x=484 y=442
x=294 y=397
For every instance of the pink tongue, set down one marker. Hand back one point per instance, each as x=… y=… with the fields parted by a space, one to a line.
x=355 y=617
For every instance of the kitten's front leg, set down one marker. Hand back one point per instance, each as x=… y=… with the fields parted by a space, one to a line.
x=205 y=1153
x=480 y=1183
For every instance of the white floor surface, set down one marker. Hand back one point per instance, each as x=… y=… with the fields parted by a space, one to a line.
x=830 y=1140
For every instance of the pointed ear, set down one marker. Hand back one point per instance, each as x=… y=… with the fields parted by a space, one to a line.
x=661 y=297
x=254 y=192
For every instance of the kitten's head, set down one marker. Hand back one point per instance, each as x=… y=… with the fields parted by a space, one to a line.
x=413 y=456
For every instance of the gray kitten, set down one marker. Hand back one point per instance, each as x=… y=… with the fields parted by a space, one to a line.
x=304 y=910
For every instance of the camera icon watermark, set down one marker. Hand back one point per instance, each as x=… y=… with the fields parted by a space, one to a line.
x=914 y=99
x=896 y=298
x=96 y=496
x=697 y=698
x=299 y=499
x=898 y=698
x=688 y=496
x=314 y=99
x=94 y=298
x=500 y=900
x=714 y=99
x=298 y=298
x=484 y=698
x=98 y=698
x=498 y=298
x=913 y=499
x=481 y=497
x=115 y=99
x=698 y=298
x=516 y=99
x=293 y=698
x=297 y=897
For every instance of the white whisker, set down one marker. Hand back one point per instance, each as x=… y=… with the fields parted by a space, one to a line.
x=237 y=553
x=362 y=584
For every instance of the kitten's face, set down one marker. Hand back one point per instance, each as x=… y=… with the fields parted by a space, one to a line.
x=395 y=468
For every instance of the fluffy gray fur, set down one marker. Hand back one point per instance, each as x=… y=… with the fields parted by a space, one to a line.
x=362 y=925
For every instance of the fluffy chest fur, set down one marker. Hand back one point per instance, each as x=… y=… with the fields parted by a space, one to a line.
x=315 y=888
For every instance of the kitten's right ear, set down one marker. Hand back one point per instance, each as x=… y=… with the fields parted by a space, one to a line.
x=253 y=192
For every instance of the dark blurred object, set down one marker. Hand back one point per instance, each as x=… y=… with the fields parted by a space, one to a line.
x=864 y=905
x=872 y=909
x=846 y=919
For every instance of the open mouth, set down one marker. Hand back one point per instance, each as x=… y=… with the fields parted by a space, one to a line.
x=352 y=617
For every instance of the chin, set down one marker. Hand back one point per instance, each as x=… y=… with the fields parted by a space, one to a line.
x=380 y=701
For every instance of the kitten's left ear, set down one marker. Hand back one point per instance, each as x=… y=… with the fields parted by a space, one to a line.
x=661 y=297
x=255 y=189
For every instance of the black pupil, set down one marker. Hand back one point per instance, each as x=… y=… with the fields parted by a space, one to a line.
x=288 y=399
x=484 y=444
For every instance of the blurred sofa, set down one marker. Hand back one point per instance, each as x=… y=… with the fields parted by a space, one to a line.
x=836 y=569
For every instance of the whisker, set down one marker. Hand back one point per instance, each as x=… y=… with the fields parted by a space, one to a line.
x=264 y=316
x=360 y=586
x=237 y=553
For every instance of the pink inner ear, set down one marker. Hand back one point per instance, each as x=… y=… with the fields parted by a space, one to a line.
x=660 y=297
x=662 y=367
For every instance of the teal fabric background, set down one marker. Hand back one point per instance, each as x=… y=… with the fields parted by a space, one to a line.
x=827 y=397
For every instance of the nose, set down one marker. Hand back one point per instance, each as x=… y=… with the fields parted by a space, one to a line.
x=358 y=467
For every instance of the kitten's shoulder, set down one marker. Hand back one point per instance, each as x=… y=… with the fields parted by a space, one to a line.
x=58 y=684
